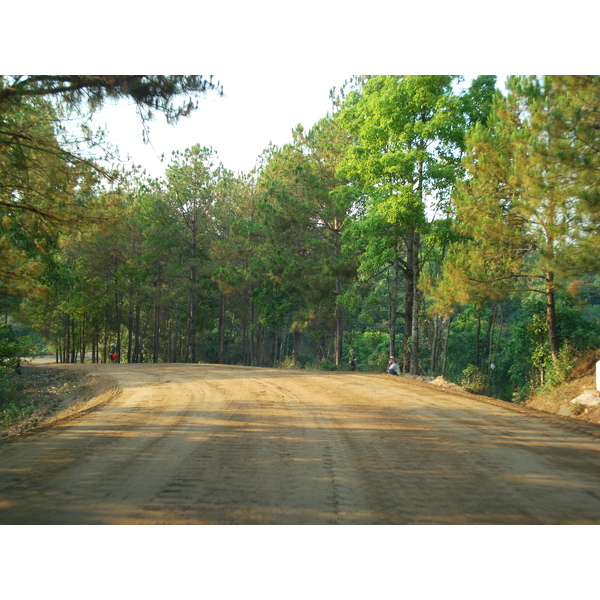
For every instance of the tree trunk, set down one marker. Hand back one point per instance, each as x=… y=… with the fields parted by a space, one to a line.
x=191 y=324
x=156 y=330
x=83 y=344
x=295 y=346
x=105 y=335
x=477 y=336
x=445 y=361
x=414 y=346
x=67 y=338
x=394 y=308
x=118 y=325
x=136 y=328
x=408 y=318
x=221 y=346
x=436 y=344
x=339 y=322
x=253 y=337
x=551 y=316
x=415 y=243
x=489 y=338
x=130 y=330
x=284 y=339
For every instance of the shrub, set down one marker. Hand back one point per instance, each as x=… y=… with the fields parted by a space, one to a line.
x=14 y=403
x=475 y=380
x=576 y=408
x=288 y=363
x=559 y=371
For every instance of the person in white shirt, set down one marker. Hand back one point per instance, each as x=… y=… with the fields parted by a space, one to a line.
x=393 y=367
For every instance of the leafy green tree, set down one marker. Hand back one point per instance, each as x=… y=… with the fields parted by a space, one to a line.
x=408 y=132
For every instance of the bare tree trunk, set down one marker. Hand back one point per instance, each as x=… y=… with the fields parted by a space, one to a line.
x=295 y=346
x=82 y=344
x=414 y=346
x=394 y=308
x=284 y=338
x=156 y=331
x=339 y=322
x=191 y=329
x=477 y=337
x=221 y=345
x=436 y=344
x=105 y=336
x=408 y=319
x=445 y=361
x=489 y=337
x=551 y=316
x=130 y=330
x=118 y=325
x=73 y=344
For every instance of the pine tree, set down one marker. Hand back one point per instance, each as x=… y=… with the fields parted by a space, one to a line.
x=520 y=207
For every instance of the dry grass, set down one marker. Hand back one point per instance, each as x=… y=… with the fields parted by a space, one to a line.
x=557 y=400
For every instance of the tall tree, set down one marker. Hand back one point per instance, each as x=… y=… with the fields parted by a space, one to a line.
x=47 y=178
x=520 y=208
x=305 y=209
x=191 y=193
x=408 y=133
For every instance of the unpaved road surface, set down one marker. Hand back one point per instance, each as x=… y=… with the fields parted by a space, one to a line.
x=207 y=444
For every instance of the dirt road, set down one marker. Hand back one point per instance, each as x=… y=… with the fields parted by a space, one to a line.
x=206 y=444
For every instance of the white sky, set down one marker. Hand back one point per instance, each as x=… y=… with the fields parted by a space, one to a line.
x=238 y=126
x=277 y=61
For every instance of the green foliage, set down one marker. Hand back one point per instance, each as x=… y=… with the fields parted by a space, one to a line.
x=527 y=362
x=13 y=349
x=475 y=380
x=371 y=349
x=561 y=368
x=288 y=363
x=324 y=365
x=14 y=405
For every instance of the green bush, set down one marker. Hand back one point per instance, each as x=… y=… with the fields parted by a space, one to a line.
x=13 y=349
x=14 y=403
x=558 y=371
x=288 y=363
x=371 y=350
x=475 y=380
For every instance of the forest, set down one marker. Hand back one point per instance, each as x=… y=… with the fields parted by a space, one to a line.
x=452 y=224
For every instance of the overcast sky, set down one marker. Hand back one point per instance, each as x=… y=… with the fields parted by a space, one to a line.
x=277 y=62
x=253 y=112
